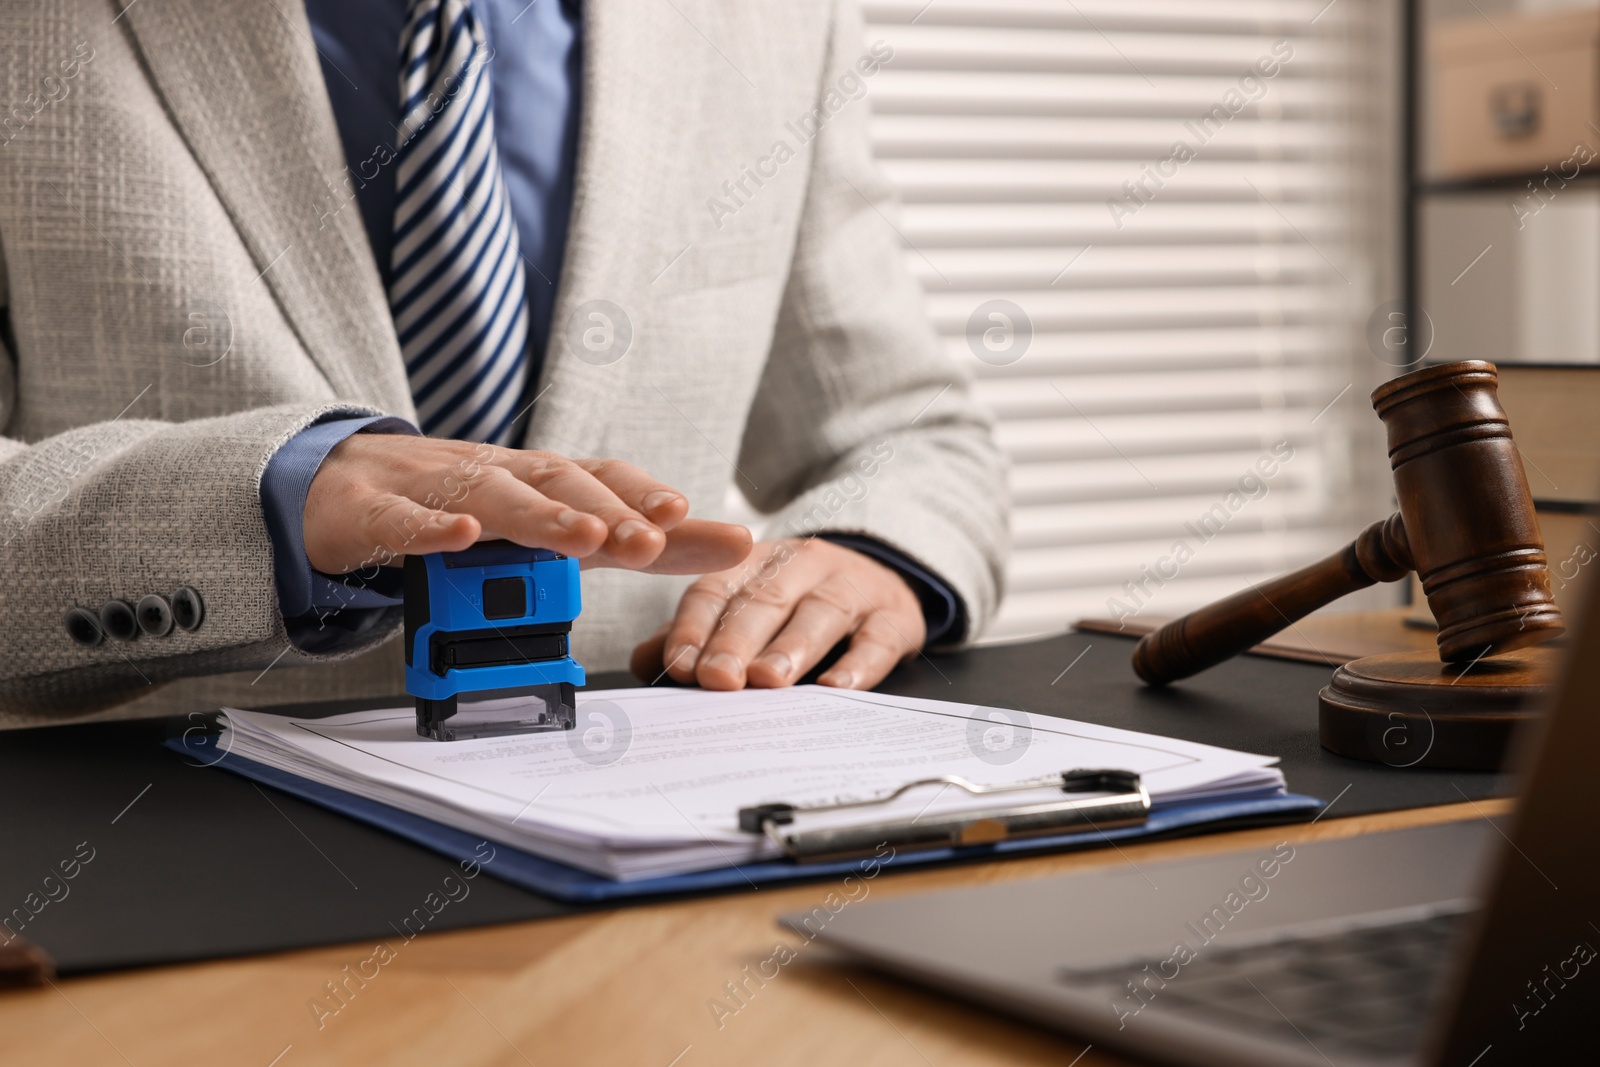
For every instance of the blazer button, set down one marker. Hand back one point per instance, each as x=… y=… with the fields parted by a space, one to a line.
x=155 y=615
x=84 y=627
x=117 y=619
x=188 y=609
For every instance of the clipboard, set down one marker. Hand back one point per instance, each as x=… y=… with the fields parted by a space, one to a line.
x=1126 y=805
x=571 y=885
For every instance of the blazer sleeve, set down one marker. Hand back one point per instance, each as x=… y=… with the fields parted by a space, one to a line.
x=864 y=423
x=132 y=508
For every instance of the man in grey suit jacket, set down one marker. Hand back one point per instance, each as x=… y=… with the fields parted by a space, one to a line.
x=183 y=293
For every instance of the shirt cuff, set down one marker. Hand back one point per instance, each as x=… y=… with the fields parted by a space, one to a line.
x=311 y=601
x=942 y=610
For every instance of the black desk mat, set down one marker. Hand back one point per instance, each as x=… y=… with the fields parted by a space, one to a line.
x=194 y=863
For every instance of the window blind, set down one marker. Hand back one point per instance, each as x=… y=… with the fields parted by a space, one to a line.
x=1161 y=192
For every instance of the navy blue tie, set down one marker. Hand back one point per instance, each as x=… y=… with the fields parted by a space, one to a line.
x=457 y=290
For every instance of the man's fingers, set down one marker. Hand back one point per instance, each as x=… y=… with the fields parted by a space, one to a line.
x=699 y=612
x=699 y=546
x=604 y=512
x=874 y=651
x=385 y=527
x=656 y=501
x=510 y=508
x=755 y=613
x=820 y=620
x=631 y=539
x=646 y=663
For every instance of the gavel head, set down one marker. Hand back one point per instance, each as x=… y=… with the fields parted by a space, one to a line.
x=1469 y=521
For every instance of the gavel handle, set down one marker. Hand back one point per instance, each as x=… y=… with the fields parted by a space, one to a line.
x=1206 y=637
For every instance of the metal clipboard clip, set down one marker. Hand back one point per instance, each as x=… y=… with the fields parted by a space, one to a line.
x=1128 y=804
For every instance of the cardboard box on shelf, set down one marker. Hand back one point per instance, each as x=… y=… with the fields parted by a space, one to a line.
x=1553 y=420
x=1513 y=95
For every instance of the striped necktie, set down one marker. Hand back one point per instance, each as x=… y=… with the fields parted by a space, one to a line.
x=457 y=288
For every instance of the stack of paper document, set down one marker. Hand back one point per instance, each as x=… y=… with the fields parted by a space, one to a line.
x=652 y=780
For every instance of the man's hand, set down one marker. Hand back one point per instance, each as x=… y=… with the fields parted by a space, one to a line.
x=768 y=622
x=378 y=497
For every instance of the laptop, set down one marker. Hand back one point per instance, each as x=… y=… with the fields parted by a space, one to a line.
x=1467 y=944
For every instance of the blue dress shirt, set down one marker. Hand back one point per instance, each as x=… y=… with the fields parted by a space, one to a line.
x=535 y=80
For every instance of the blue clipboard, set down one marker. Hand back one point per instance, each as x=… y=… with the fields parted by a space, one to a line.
x=575 y=886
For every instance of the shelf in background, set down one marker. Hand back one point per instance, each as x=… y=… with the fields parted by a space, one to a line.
x=1495 y=183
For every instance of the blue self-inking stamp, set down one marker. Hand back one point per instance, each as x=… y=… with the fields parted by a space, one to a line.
x=487 y=634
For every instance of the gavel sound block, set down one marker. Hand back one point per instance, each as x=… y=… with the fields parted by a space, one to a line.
x=1466 y=525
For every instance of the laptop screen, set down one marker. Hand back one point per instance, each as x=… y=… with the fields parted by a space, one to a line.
x=1528 y=990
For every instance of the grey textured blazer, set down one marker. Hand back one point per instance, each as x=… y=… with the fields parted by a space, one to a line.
x=186 y=284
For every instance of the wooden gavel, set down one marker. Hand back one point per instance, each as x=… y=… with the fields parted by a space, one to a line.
x=1466 y=525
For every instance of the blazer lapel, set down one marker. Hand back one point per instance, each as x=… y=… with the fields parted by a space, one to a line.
x=626 y=129
x=245 y=87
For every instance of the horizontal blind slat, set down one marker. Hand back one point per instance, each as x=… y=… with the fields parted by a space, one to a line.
x=1213 y=16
